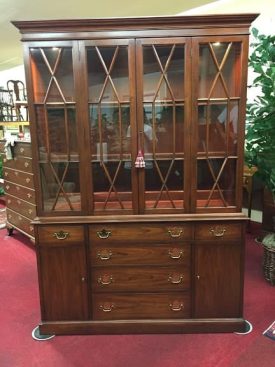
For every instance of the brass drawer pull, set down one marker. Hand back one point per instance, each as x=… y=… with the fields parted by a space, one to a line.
x=6 y=174
x=26 y=164
x=16 y=173
x=30 y=211
x=177 y=306
x=19 y=217
x=29 y=195
x=103 y=234
x=107 y=307
x=18 y=202
x=31 y=228
x=104 y=254
x=175 y=253
x=105 y=279
x=28 y=180
x=218 y=231
x=175 y=232
x=22 y=150
x=7 y=187
x=9 y=201
x=61 y=235
x=175 y=279
x=17 y=188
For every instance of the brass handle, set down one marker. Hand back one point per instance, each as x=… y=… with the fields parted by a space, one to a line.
x=31 y=228
x=18 y=202
x=218 y=231
x=22 y=150
x=104 y=254
x=7 y=187
x=19 y=217
x=177 y=306
x=6 y=174
x=103 y=234
x=105 y=279
x=175 y=232
x=61 y=235
x=83 y=279
x=30 y=211
x=198 y=277
x=9 y=201
x=175 y=279
x=17 y=188
x=28 y=180
x=16 y=173
x=9 y=216
x=107 y=307
x=175 y=253
x=29 y=195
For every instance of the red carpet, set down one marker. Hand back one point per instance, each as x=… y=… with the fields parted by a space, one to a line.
x=19 y=310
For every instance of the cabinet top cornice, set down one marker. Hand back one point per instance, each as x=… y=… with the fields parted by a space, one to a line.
x=136 y=23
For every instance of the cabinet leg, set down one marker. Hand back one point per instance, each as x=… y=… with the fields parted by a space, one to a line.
x=37 y=336
x=10 y=231
x=248 y=328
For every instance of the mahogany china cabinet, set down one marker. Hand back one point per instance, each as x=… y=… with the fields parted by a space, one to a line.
x=137 y=129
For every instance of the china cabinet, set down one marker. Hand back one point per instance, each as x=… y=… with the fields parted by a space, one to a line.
x=137 y=129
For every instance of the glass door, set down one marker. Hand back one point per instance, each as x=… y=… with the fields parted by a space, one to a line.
x=219 y=106
x=163 y=107
x=112 y=116
x=51 y=67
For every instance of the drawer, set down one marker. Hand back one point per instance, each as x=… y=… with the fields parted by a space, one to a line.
x=20 y=192
x=21 y=163
x=145 y=254
x=20 y=222
x=140 y=306
x=60 y=235
x=19 y=177
x=140 y=232
x=218 y=231
x=23 y=150
x=140 y=279
x=21 y=206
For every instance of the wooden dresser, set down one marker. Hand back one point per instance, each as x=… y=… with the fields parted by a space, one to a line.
x=19 y=188
x=137 y=127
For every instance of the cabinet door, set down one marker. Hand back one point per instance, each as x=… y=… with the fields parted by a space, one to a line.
x=218 y=279
x=163 y=82
x=112 y=116
x=63 y=284
x=218 y=116
x=55 y=134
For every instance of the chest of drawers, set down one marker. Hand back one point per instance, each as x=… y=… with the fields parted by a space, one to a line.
x=19 y=188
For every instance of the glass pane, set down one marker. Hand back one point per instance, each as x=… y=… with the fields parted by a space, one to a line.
x=216 y=182
x=163 y=72
x=163 y=129
x=112 y=185
x=108 y=74
x=60 y=186
x=217 y=128
x=219 y=74
x=163 y=184
x=110 y=132
x=52 y=74
x=57 y=133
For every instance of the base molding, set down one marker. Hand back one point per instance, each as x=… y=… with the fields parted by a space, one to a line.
x=144 y=326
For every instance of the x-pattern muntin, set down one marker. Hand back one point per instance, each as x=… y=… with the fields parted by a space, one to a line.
x=53 y=79
x=108 y=72
x=163 y=76
x=219 y=74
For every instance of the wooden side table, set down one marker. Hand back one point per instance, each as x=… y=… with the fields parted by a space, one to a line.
x=248 y=174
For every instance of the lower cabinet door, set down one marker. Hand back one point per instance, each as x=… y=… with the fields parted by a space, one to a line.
x=63 y=284
x=218 y=280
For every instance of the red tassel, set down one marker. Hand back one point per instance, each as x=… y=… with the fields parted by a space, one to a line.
x=140 y=163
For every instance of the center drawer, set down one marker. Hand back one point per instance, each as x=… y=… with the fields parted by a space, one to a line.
x=140 y=232
x=150 y=254
x=140 y=278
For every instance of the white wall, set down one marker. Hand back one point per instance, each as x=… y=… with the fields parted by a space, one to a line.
x=16 y=73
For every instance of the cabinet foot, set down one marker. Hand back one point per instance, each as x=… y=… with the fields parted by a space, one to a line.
x=37 y=336
x=10 y=231
x=248 y=328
